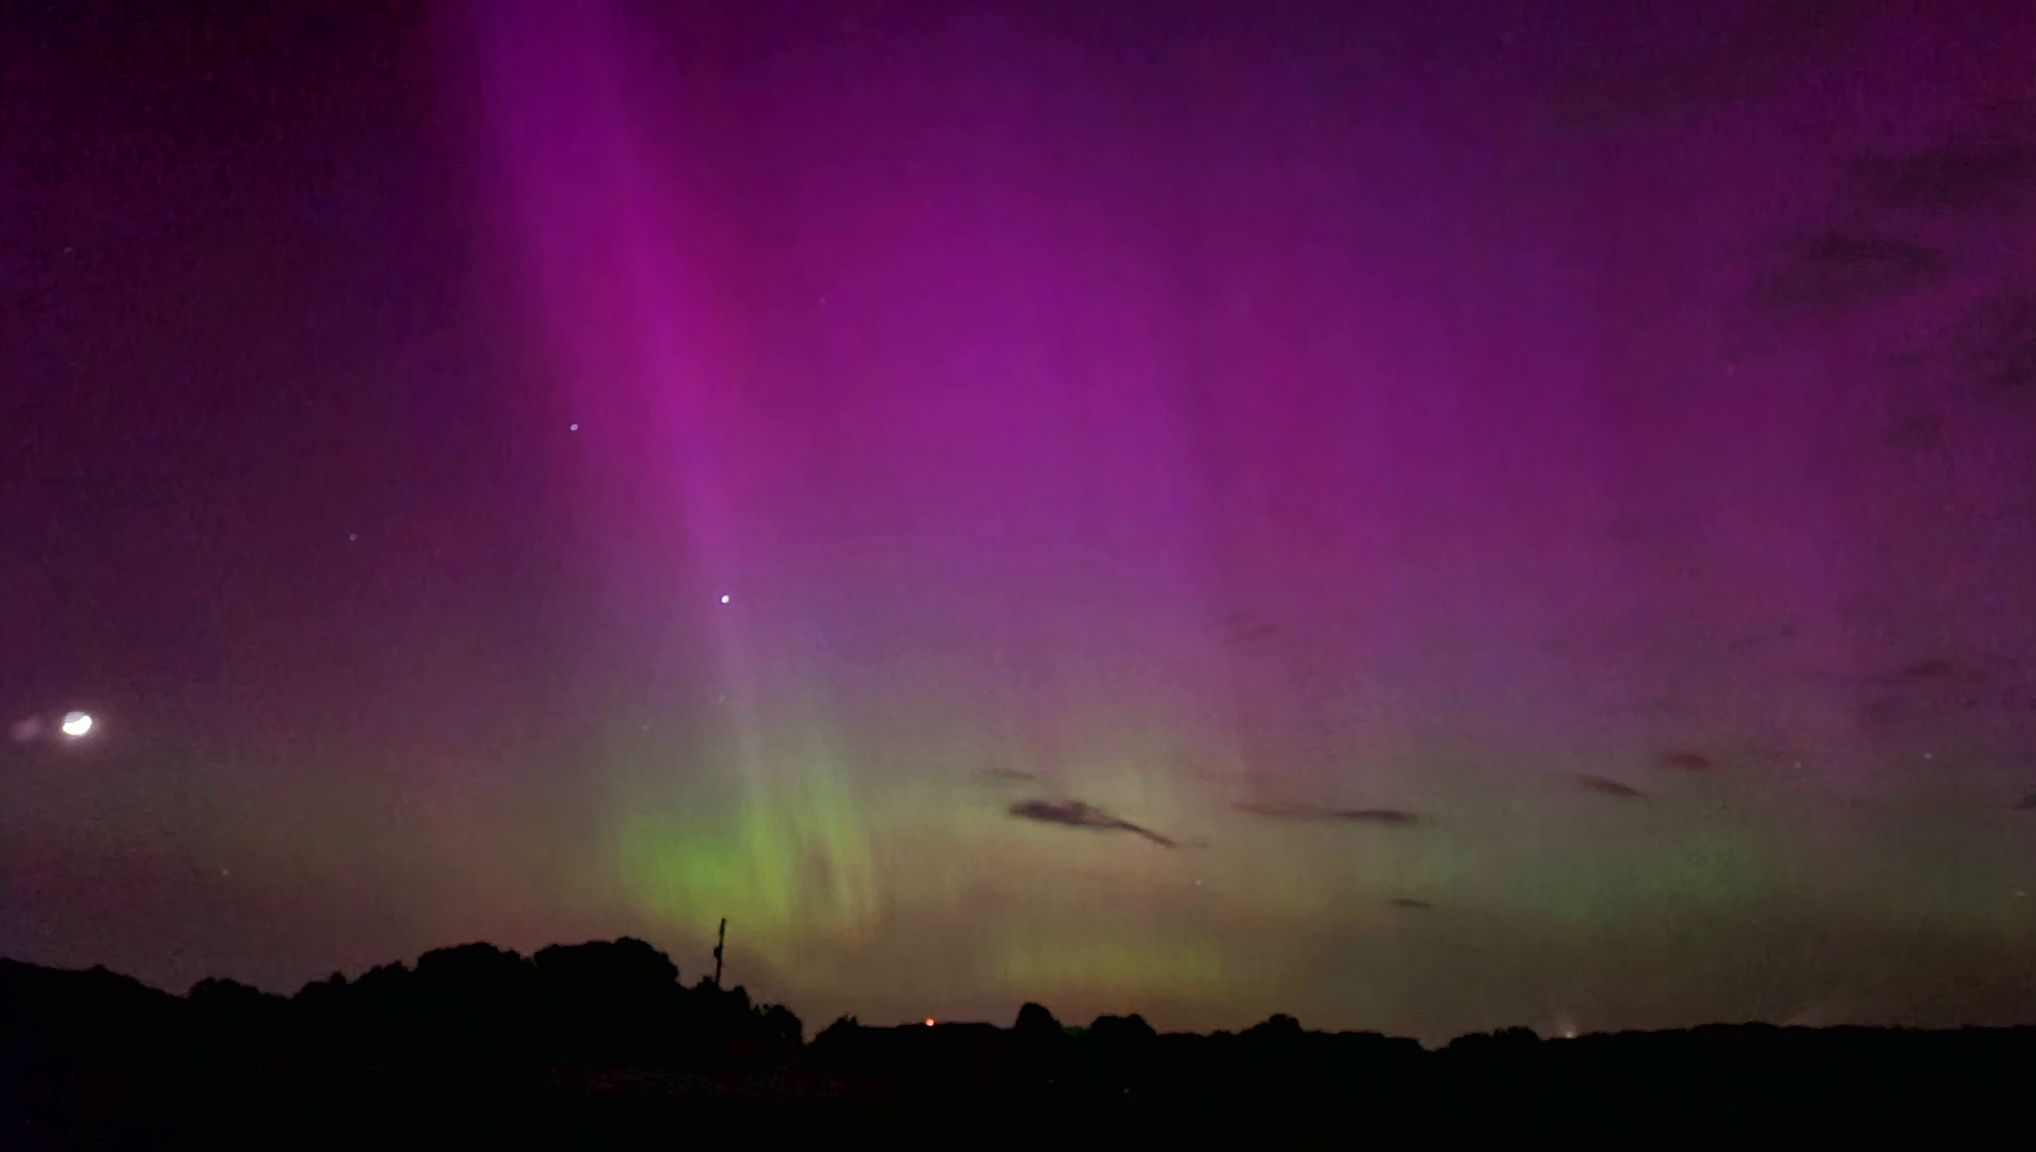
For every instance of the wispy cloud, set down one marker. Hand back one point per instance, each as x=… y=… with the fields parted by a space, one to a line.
x=1684 y=760
x=1636 y=71
x=1391 y=817
x=1606 y=786
x=1075 y=814
x=1907 y=224
x=1396 y=817
x=1009 y=774
x=1244 y=630
x=1757 y=639
x=1841 y=269
x=1996 y=345
x=1925 y=670
x=1955 y=176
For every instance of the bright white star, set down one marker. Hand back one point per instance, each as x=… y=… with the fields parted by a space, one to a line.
x=76 y=724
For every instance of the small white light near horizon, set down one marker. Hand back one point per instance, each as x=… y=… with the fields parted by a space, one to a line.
x=76 y=724
x=929 y=1021
x=724 y=597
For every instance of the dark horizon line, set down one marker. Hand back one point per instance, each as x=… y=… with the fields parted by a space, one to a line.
x=1276 y=1020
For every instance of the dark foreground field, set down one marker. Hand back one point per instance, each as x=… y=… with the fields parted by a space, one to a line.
x=476 y=1046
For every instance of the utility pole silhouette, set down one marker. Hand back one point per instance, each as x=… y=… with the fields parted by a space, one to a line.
x=718 y=945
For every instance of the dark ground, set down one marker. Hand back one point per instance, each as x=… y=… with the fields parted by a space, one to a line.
x=599 y=1043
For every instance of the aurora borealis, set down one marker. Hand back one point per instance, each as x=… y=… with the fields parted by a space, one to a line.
x=1422 y=520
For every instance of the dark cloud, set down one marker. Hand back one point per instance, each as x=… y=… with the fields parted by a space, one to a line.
x=1408 y=903
x=1865 y=252
x=1841 y=269
x=1926 y=670
x=1075 y=814
x=1924 y=687
x=1686 y=60
x=1996 y=345
x=1760 y=638
x=1243 y=630
x=1391 y=817
x=1971 y=171
x=1684 y=760
x=1280 y=811
x=1606 y=786
x=1920 y=434
x=2008 y=700
x=1918 y=676
x=1955 y=178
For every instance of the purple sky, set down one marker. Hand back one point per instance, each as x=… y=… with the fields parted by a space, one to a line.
x=1421 y=519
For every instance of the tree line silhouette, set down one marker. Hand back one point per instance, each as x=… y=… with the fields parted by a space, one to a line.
x=608 y=1029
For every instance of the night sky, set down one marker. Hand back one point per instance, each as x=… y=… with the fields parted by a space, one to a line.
x=1420 y=516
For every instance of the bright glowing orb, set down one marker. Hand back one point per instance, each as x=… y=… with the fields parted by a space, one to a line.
x=929 y=1021
x=724 y=597
x=76 y=724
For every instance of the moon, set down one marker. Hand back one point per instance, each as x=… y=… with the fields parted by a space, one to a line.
x=76 y=724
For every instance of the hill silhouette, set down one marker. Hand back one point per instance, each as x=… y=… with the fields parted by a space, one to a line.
x=606 y=1033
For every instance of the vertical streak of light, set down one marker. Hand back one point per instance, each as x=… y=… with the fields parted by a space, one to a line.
x=598 y=222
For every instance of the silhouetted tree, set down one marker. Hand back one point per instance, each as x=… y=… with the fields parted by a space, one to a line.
x=1034 y=1022
x=1126 y=1030
x=612 y=1002
x=485 y=1031
x=1277 y=1028
x=781 y=1027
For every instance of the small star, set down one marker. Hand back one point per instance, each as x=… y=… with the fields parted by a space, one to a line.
x=724 y=597
x=572 y=427
x=1927 y=756
x=353 y=537
x=226 y=872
